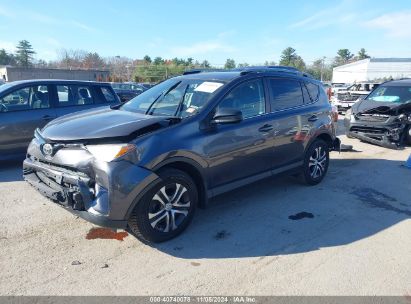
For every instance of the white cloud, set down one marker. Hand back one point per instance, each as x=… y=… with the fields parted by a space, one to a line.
x=205 y=47
x=334 y=15
x=396 y=25
x=8 y=46
x=34 y=16
x=53 y=42
x=83 y=26
x=202 y=48
x=5 y=12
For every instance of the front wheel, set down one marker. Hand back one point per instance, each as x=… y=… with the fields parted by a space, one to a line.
x=316 y=162
x=166 y=208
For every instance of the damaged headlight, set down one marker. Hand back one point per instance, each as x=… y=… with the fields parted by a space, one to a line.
x=404 y=118
x=110 y=152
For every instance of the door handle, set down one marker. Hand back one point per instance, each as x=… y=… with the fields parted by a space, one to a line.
x=266 y=128
x=313 y=118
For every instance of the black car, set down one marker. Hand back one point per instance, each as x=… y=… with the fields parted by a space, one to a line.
x=147 y=164
x=384 y=116
x=30 y=104
x=127 y=91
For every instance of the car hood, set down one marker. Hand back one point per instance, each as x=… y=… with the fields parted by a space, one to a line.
x=370 y=106
x=99 y=123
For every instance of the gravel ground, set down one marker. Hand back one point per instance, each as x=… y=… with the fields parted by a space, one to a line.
x=354 y=239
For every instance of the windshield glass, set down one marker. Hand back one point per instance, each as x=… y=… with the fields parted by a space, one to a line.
x=395 y=94
x=5 y=87
x=127 y=86
x=174 y=97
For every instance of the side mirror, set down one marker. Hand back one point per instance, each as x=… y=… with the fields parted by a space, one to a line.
x=227 y=116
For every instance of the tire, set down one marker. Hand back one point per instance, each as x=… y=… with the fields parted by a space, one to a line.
x=166 y=208
x=407 y=139
x=316 y=158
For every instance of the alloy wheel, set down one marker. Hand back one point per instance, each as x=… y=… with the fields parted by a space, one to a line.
x=169 y=207
x=317 y=163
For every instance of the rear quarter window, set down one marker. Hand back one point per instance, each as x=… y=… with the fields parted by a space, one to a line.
x=313 y=91
x=105 y=95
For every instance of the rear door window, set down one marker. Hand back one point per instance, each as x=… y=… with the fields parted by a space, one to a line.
x=74 y=95
x=28 y=98
x=285 y=93
x=313 y=90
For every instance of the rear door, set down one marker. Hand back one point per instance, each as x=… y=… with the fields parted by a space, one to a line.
x=289 y=121
x=73 y=98
x=22 y=111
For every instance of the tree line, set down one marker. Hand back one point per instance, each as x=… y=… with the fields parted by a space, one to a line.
x=156 y=69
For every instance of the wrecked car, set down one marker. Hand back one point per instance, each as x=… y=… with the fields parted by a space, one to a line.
x=384 y=116
x=344 y=99
x=147 y=164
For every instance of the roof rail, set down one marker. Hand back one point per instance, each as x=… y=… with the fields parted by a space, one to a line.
x=278 y=68
x=253 y=69
x=196 y=71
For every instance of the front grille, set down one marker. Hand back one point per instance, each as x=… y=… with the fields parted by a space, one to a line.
x=368 y=130
x=373 y=117
x=347 y=97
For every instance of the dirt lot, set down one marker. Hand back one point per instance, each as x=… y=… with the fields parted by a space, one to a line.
x=355 y=241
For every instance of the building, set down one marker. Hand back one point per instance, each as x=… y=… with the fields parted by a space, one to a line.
x=11 y=73
x=372 y=69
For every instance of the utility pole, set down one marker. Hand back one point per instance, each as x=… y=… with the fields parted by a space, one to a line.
x=322 y=67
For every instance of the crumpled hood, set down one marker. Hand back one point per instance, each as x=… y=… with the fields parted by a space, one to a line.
x=97 y=123
x=367 y=105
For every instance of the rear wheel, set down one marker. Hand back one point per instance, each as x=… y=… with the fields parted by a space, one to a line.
x=407 y=138
x=316 y=162
x=166 y=208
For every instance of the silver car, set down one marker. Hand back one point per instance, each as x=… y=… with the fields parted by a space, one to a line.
x=30 y=104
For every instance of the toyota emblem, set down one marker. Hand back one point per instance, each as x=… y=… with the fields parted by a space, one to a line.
x=48 y=149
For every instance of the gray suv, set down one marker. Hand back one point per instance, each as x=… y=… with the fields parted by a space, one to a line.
x=30 y=104
x=146 y=165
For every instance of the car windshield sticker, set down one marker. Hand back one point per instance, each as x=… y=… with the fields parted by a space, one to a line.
x=208 y=87
x=386 y=98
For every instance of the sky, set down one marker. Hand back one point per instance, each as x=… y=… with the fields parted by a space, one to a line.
x=247 y=31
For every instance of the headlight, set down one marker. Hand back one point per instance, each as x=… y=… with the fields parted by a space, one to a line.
x=110 y=152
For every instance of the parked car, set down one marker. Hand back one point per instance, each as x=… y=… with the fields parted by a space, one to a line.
x=147 y=164
x=345 y=98
x=147 y=85
x=384 y=116
x=127 y=90
x=30 y=104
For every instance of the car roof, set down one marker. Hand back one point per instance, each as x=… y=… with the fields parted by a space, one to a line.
x=400 y=82
x=228 y=75
x=54 y=81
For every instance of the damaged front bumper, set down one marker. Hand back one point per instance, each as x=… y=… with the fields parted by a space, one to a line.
x=74 y=191
x=383 y=131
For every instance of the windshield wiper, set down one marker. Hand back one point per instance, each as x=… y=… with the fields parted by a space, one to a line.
x=162 y=94
x=180 y=104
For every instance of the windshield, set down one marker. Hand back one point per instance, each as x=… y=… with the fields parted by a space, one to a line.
x=394 y=94
x=5 y=87
x=127 y=86
x=174 y=97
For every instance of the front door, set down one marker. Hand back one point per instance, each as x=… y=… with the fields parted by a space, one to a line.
x=244 y=149
x=21 y=112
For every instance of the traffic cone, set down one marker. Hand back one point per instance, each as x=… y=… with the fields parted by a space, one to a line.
x=408 y=162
